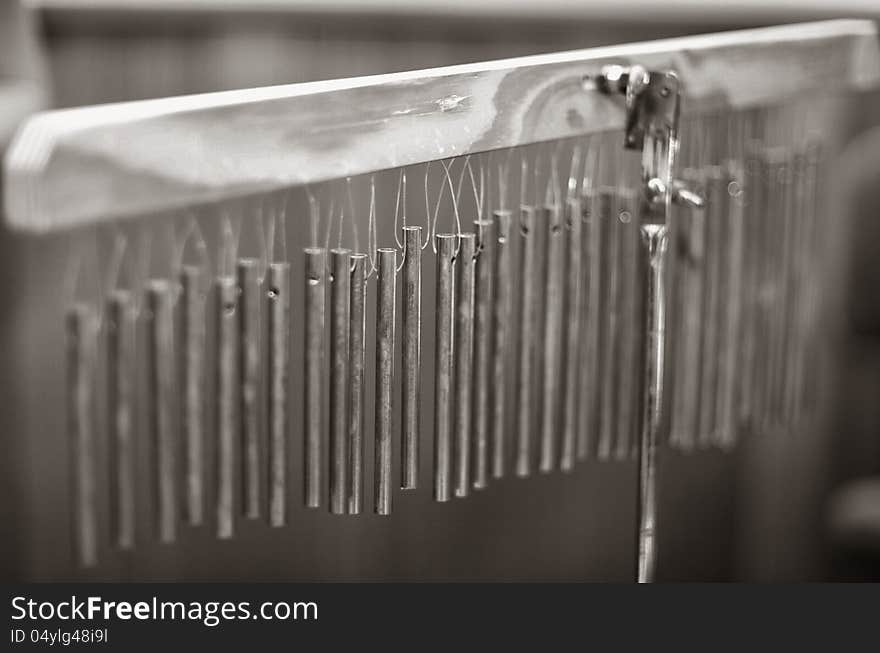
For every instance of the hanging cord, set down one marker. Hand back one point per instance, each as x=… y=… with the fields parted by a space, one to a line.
x=341 y=222
x=192 y=232
x=503 y=172
x=329 y=224
x=352 y=216
x=314 y=217
x=552 y=191
x=114 y=269
x=447 y=181
x=591 y=167
x=282 y=226
x=523 y=177
x=200 y=244
x=489 y=168
x=142 y=266
x=401 y=186
x=74 y=266
x=427 y=208
x=479 y=195
x=230 y=236
x=536 y=174
x=372 y=236
x=269 y=234
x=277 y=230
x=573 y=170
x=432 y=224
x=262 y=242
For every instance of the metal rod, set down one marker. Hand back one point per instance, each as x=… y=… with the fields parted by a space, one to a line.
x=629 y=383
x=160 y=362
x=249 y=371
x=313 y=402
x=599 y=206
x=463 y=350
x=80 y=329
x=731 y=309
x=574 y=334
x=386 y=280
x=357 y=337
x=227 y=325
x=554 y=296
x=340 y=309
x=690 y=369
x=192 y=344
x=770 y=291
x=654 y=245
x=482 y=350
x=121 y=370
x=715 y=227
x=755 y=206
x=804 y=375
x=443 y=366
x=610 y=350
x=792 y=217
x=502 y=313
x=412 y=321
x=527 y=344
x=679 y=260
x=278 y=361
x=798 y=220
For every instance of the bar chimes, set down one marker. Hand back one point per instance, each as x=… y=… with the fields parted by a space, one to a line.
x=654 y=284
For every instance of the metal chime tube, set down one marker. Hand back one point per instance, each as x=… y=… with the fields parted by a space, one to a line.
x=120 y=369
x=799 y=216
x=678 y=238
x=81 y=334
x=357 y=337
x=315 y=299
x=690 y=368
x=443 y=363
x=386 y=280
x=227 y=325
x=552 y=335
x=160 y=365
x=573 y=312
x=654 y=245
x=597 y=237
x=411 y=365
x=586 y=375
x=482 y=350
x=340 y=309
x=278 y=359
x=629 y=379
x=792 y=217
x=803 y=375
x=249 y=372
x=463 y=361
x=731 y=309
x=502 y=311
x=754 y=212
x=768 y=289
x=527 y=344
x=192 y=344
x=715 y=227
x=610 y=350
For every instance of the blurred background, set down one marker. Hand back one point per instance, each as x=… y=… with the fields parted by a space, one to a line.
x=738 y=518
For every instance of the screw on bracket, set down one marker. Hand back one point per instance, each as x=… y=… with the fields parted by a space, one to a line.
x=652 y=102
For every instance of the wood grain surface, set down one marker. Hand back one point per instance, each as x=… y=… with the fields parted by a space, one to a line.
x=73 y=167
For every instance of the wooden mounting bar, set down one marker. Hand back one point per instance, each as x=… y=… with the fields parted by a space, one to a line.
x=74 y=167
